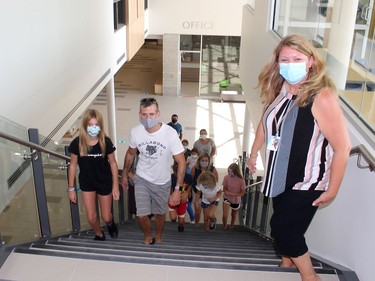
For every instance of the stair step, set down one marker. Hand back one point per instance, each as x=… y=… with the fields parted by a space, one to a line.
x=237 y=249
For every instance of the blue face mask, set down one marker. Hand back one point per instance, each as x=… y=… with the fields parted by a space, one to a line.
x=293 y=72
x=149 y=123
x=93 y=131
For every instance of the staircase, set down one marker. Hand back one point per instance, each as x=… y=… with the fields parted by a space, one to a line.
x=233 y=249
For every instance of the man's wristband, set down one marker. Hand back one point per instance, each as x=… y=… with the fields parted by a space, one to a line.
x=178 y=187
x=71 y=188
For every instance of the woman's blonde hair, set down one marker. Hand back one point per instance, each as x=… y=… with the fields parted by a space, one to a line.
x=84 y=146
x=207 y=178
x=270 y=81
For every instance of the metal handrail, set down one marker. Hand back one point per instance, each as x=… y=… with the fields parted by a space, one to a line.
x=253 y=184
x=32 y=145
x=362 y=151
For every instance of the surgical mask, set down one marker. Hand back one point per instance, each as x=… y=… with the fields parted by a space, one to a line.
x=149 y=123
x=185 y=147
x=93 y=131
x=293 y=72
x=204 y=164
x=194 y=156
x=203 y=137
x=231 y=174
x=205 y=186
x=174 y=120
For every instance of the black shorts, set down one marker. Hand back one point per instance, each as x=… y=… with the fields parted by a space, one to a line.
x=293 y=213
x=104 y=190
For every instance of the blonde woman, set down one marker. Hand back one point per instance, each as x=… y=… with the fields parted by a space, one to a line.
x=307 y=145
x=93 y=151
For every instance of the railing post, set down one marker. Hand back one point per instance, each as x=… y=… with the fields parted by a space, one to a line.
x=74 y=208
x=40 y=190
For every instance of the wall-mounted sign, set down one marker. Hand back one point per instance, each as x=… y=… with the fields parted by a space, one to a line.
x=198 y=25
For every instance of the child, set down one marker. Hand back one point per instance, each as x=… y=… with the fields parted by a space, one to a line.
x=211 y=192
x=98 y=176
x=187 y=151
x=234 y=188
x=191 y=160
x=180 y=210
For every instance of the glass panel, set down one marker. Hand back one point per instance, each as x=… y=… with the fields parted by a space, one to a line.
x=55 y=180
x=361 y=77
x=18 y=213
x=190 y=42
x=190 y=62
x=220 y=64
x=311 y=19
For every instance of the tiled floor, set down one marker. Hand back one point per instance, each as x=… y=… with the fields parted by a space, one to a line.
x=21 y=267
x=224 y=123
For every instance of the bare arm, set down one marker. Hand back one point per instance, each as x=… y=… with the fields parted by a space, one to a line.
x=330 y=119
x=217 y=196
x=114 y=170
x=257 y=144
x=213 y=151
x=180 y=159
x=176 y=195
x=128 y=161
x=71 y=177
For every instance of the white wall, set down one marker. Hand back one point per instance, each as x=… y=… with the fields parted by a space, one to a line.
x=52 y=54
x=213 y=17
x=343 y=231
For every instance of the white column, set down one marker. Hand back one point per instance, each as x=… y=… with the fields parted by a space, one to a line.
x=111 y=111
x=246 y=132
x=171 y=65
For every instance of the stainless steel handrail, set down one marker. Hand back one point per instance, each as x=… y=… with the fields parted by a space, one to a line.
x=362 y=151
x=32 y=145
x=253 y=184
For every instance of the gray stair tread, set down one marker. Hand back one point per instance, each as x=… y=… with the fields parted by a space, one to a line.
x=236 y=248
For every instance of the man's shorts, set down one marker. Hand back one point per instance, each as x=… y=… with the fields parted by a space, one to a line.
x=151 y=198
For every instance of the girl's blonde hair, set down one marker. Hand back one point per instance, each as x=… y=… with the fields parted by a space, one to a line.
x=270 y=81
x=207 y=178
x=84 y=147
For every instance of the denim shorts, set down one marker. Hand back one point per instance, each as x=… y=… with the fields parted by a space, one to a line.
x=204 y=205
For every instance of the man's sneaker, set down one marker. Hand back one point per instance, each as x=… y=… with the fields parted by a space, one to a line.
x=112 y=230
x=180 y=228
x=100 y=238
x=212 y=225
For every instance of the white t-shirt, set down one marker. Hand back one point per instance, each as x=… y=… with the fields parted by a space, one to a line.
x=208 y=193
x=155 y=152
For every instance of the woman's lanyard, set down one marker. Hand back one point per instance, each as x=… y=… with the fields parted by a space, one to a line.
x=274 y=140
